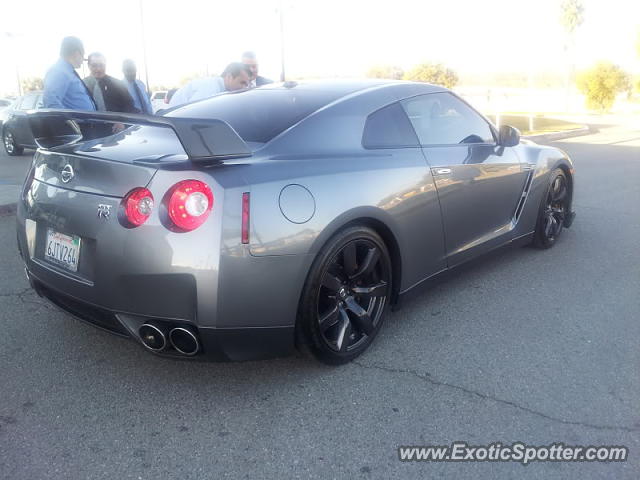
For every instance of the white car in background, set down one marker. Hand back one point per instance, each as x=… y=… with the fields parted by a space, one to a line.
x=157 y=100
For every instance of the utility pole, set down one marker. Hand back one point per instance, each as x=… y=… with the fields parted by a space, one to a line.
x=13 y=39
x=144 y=48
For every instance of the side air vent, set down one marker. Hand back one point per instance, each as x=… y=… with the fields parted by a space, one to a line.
x=523 y=197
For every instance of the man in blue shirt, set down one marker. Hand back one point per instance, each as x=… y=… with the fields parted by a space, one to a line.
x=235 y=77
x=63 y=87
x=137 y=89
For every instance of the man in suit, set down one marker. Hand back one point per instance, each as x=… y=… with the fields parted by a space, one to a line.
x=109 y=93
x=250 y=60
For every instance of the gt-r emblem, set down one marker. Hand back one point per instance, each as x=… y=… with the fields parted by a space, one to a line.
x=66 y=174
x=104 y=211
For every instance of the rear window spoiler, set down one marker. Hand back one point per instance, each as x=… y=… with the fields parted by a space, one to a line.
x=203 y=140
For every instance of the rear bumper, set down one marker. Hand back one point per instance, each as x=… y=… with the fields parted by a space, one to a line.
x=216 y=344
x=127 y=277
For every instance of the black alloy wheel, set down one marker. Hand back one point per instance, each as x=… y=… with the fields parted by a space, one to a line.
x=553 y=211
x=344 y=301
x=10 y=144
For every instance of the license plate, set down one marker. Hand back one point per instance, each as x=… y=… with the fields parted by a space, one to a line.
x=63 y=250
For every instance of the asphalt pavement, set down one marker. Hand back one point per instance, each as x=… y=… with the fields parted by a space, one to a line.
x=526 y=345
x=12 y=173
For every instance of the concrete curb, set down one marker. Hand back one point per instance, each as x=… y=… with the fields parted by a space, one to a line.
x=6 y=210
x=554 y=136
x=8 y=197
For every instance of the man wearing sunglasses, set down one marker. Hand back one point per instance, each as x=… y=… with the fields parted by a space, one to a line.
x=63 y=87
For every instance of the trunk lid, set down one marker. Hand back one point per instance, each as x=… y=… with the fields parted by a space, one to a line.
x=90 y=175
x=111 y=166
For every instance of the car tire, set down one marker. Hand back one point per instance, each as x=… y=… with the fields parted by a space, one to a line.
x=9 y=143
x=345 y=296
x=552 y=211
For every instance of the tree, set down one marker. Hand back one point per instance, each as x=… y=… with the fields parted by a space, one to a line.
x=602 y=83
x=572 y=15
x=390 y=72
x=435 y=73
x=31 y=83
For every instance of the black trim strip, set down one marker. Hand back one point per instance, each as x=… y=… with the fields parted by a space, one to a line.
x=202 y=139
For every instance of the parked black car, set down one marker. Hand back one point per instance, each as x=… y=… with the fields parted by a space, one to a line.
x=16 y=133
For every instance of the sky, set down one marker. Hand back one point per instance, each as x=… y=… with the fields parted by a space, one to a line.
x=328 y=38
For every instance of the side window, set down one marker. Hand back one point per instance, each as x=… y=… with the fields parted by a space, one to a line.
x=388 y=127
x=28 y=102
x=442 y=119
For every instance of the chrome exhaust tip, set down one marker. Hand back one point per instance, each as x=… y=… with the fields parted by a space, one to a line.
x=152 y=337
x=184 y=341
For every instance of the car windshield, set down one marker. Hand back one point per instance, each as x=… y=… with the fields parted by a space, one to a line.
x=261 y=114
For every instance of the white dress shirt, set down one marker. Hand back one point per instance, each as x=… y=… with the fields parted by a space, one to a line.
x=198 y=89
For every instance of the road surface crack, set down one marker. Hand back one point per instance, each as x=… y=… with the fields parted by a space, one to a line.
x=427 y=378
x=26 y=292
x=16 y=294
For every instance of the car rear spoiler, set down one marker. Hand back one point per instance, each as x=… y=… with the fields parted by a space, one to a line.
x=203 y=140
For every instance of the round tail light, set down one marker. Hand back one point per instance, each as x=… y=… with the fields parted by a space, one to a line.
x=190 y=202
x=138 y=204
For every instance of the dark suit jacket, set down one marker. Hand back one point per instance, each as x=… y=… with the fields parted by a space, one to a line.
x=115 y=93
x=262 y=81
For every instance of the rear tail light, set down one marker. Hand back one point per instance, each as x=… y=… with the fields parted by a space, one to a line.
x=138 y=204
x=190 y=202
x=245 y=217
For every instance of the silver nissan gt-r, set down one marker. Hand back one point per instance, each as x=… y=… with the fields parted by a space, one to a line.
x=239 y=226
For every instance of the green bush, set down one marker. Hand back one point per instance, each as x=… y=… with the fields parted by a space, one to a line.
x=601 y=84
x=435 y=73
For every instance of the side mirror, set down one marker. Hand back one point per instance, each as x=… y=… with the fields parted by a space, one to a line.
x=508 y=136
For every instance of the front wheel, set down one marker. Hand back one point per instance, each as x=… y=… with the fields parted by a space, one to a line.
x=10 y=144
x=344 y=298
x=553 y=210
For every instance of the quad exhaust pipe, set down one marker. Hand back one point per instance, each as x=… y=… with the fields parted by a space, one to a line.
x=184 y=341
x=152 y=337
x=156 y=339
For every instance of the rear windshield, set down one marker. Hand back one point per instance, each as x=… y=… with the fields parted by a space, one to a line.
x=159 y=95
x=261 y=114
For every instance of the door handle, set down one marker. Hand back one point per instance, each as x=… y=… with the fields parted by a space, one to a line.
x=441 y=171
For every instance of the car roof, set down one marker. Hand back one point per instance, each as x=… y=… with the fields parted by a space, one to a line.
x=344 y=87
x=260 y=115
